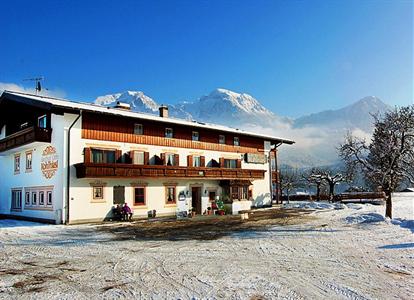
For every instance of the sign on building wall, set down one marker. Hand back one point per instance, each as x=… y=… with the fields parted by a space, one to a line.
x=255 y=158
x=49 y=162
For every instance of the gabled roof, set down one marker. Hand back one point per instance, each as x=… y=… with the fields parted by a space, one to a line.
x=50 y=103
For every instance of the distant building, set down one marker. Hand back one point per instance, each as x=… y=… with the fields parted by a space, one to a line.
x=68 y=162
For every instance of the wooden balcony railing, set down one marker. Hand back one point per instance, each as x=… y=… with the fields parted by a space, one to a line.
x=92 y=170
x=26 y=136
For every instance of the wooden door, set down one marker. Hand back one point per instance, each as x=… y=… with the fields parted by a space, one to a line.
x=196 y=199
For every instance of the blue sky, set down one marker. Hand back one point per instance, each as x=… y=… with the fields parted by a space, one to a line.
x=296 y=57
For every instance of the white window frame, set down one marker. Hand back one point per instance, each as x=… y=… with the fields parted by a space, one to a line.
x=16 y=202
x=134 y=160
x=222 y=139
x=169 y=133
x=195 y=136
x=29 y=163
x=196 y=159
x=138 y=129
x=236 y=141
x=17 y=163
x=94 y=195
x=44 y=117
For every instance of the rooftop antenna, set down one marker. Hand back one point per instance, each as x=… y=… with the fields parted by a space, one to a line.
x=38 y=86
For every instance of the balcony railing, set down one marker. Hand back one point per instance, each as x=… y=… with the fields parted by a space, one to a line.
x=26 y=136
x=93 y=170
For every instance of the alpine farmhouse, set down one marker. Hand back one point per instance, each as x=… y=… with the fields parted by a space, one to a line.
x=69 y=162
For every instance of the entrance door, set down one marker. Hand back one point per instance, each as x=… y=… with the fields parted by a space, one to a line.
x=119 y=194
x=196 y=199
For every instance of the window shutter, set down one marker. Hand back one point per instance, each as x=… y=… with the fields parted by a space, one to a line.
x=131 y=156
x=239 y=164
x=202 y=161
x=118 y=154
x=146 y=158
x=176 y=160
x=163 y=159
x=189 y=160
x=87 y=158
x=221 y=162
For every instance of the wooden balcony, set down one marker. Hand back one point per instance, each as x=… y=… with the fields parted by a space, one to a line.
x=26 y=136
x=92 y=170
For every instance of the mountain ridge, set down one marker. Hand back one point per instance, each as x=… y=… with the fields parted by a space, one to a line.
x=317 y=135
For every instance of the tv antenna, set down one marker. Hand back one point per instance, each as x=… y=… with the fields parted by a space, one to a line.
x=38 y=86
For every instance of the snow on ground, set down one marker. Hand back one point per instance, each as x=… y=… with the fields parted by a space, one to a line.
x=347 y=253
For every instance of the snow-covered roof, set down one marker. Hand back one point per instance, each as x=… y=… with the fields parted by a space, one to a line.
x=82 y=106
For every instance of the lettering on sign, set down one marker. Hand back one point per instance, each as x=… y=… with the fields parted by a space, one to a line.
x=255 y=158
x=49 y=162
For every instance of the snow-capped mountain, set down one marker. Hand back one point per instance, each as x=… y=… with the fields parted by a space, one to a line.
x=317 y=135
x=230 y=108
x=357 y=115
x=138 y=101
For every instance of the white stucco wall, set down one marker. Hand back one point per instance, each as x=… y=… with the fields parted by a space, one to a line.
x=82 y=206
x=35 y=178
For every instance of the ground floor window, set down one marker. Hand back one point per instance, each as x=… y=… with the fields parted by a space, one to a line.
x=240 y=192
x=139 y=196
x=38 y=197
x=98 y=193
x=170 y=194
x=16 y=200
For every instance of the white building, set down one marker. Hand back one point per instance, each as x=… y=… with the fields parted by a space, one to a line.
x=68 y=162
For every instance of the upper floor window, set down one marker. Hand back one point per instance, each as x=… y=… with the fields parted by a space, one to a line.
x=170 y=159
x=42 y=122
x=236 y=141
x=195 y=136
x=196 y=161
x=29 y=156
x=103 y=156
x=138 y=129
x=17 y=163
x=222 y=139
x=169 y=133
x=230 y=163
x=138 y=158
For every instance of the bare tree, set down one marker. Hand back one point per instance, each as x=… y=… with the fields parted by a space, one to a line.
x=388 y=160
x=289 y=179
x=319 y=176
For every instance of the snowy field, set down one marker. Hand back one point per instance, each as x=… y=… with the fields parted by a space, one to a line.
x=341 y=252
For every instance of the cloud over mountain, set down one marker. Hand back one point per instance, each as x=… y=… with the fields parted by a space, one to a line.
x=317 y=135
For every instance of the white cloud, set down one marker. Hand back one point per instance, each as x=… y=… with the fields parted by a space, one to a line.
x=30 y=90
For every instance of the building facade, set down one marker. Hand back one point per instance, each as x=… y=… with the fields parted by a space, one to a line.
x=69 y=162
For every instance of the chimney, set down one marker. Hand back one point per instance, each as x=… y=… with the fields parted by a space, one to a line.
x=163 y=111
x=122 y=105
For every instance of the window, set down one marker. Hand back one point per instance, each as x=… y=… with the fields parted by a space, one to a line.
x=169 y=133
x=170 y=194
x=236 y=141
x=103 y=156
x=49 y=198
x=170 y=159
x=138 y=158
x=29 y=156
x=138 y=129
x=139 y=196
x=230 y=163
x=222 y=139
x=212 y=196
x=98 y=193
x=27 y=198
x=42 y=198
x=17 y=163
x=196 y=161
x=42 y=121
x=196 y=136
x=16 y=201
x=34 y=198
